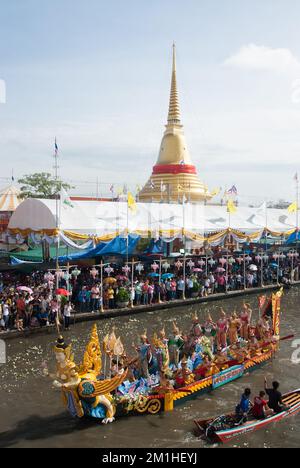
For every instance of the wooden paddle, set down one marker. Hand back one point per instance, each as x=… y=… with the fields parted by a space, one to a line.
x=288 y=337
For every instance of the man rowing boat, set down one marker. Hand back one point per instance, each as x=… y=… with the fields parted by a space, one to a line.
x=275 y=397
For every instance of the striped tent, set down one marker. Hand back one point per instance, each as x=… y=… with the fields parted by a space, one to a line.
x=9 y=199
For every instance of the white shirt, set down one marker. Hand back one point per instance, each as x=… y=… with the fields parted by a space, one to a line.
x=67 y=311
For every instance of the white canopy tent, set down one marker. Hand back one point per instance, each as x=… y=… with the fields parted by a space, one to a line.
x=9 y=199
x=105 y=220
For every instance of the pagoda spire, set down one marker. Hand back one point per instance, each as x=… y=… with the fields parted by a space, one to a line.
x=174 y=109
x=174 y=177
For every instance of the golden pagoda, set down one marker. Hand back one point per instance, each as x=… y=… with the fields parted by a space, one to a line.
x=174 y=177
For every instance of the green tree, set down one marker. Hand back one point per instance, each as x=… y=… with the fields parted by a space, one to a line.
x=41 y=185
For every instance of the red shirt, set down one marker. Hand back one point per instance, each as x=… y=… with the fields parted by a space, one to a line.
x=20 y=305
x=258 y=409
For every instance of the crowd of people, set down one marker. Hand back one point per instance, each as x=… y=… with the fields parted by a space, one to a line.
x=34 y=301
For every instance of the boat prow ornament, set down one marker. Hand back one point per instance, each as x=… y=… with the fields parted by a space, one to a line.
x=85 y=391
x=165 y=370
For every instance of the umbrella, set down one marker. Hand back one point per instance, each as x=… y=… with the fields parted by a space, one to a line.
x=110 y=280
x=197 y=270
x=220 y=270
x=168 y=276
x=122 y=277
x=62 y=292
x=25 y=289
x=274 y=265
x=153 y=275
x=253 y=268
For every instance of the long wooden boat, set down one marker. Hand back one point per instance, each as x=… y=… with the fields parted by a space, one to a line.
x=223 y=429
x=167 y=401
x=86 y=393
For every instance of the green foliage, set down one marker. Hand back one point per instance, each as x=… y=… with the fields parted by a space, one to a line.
x=41 y=185
x=123 y=295
x=196 y=287
x=63 y=300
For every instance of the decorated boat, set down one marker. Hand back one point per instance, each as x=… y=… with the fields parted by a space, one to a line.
x=165 y=373
x=224 y=428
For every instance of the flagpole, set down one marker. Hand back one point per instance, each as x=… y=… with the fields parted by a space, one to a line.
x=297 y=211
x=132 y=283
x=127 y=238
x=184 y=245
x=228 y=237
x=56 y=212
x=266 y=230
x=266 y=240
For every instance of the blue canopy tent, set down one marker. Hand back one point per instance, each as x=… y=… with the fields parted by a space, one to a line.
x=117 y=246
x=84 y=254
x=295 y=237
x=16 y=261
x=155 y=247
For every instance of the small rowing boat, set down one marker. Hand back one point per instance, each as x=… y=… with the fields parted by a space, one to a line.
x=225 y=428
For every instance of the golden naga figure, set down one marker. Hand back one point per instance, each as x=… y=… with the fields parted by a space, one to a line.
x=86 y=392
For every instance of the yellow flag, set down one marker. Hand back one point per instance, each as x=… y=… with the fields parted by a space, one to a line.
x=293 y=207
x=131 y=203
x=215 y=192
x=231 y=208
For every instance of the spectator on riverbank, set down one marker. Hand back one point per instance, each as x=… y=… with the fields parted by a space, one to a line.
x=21 y=309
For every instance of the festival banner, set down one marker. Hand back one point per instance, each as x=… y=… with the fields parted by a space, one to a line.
x=228 y=375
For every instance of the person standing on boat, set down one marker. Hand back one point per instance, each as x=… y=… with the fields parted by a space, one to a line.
x=275 y=397
x=162 y=351
x=210 y=330
x=176 y=343
x=234 y=328
x=222 y=327
x=145 y=355
x=195 y=333
x=264 y=328
x=245 y=317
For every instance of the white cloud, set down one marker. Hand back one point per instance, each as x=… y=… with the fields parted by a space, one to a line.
x=255 y=57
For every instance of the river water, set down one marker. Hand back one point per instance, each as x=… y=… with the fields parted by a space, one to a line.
x=32 y=414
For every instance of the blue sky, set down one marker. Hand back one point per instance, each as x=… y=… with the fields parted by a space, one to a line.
x=97 y=75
